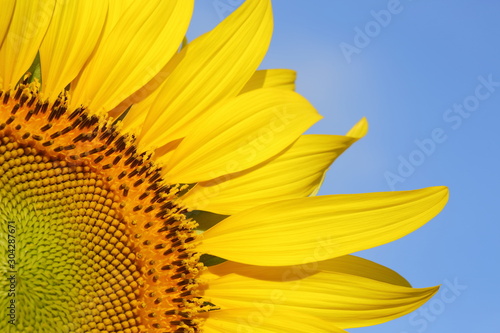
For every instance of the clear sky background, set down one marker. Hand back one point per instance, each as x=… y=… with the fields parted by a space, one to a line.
x=419 y=71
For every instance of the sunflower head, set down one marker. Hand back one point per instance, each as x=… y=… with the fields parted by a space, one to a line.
x=99 y=243
x=126 y=162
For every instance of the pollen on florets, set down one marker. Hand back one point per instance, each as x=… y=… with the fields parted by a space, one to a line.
x=101 y=244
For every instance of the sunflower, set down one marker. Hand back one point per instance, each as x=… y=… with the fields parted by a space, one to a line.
x=151 y=185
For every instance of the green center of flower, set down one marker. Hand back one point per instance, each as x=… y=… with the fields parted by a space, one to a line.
x=71 y=266
x=91 y=238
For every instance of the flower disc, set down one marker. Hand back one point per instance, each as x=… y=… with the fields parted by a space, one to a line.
x=97 y=242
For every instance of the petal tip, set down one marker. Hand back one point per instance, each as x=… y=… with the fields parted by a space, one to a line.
x=359 y=130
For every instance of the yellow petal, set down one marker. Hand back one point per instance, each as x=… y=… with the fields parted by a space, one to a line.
x=348 y=264
x=295 y=173
x=137 y=110
x=241 y=133
x=135 y=50
x=318 y=228
x=137 y=113
x=20 y=46
x=271 y=78
x=5 y=17
x=265 y=318
x=357 y=132
x=134 y=103
x=116 y=10
x=362 y=267
x=72 y=36
x=341 y=299
x=210 y=69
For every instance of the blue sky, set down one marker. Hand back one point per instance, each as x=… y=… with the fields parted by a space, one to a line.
x=426 y=75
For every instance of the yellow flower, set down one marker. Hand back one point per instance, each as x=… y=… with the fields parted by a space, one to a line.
x=111 y=159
